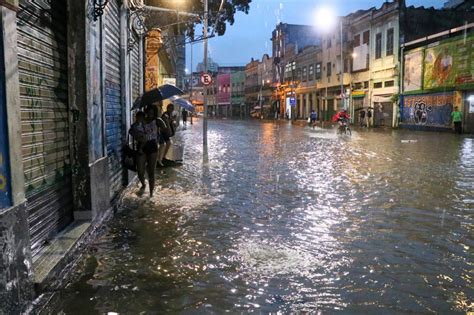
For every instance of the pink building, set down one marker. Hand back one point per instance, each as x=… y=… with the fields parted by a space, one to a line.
x=223 y=94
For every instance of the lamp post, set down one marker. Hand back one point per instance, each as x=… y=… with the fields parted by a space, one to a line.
x=204 y=124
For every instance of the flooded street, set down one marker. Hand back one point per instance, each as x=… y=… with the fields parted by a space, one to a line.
x=287 y=218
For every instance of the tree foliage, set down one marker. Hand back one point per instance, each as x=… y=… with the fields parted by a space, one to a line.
x=217 y=19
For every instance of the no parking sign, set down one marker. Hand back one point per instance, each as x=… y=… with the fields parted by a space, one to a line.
x=206 y=79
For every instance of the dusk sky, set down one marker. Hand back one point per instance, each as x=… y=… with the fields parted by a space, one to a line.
x=250 y=35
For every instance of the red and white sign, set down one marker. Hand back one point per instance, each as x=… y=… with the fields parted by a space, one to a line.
x=206 y=79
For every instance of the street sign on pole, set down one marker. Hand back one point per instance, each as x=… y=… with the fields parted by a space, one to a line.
x=292 y=102
x=206 y=79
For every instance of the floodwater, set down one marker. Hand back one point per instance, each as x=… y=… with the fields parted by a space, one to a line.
x=285 y=219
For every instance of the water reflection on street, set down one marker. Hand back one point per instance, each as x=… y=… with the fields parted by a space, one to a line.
x=287 y=218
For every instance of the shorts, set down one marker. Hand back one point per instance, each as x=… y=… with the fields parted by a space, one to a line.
x=166 y=138
x=161 y=139
x=150 y=147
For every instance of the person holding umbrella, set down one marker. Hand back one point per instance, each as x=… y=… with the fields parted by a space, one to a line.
x=145 y=132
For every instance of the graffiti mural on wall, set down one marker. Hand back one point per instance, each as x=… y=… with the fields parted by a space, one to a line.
x=428 y=110
x=449 y=63
x=5 y=194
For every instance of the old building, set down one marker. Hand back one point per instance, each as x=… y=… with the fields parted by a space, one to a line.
x=265 y=77
x=383 y=62
x=223 y=94
x=284 y=35
x=437 y=76
x=237 y=100
x=335 y=78
x=251 y=86
x=309 y=69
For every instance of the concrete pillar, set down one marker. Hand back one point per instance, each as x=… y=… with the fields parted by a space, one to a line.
x=301 y=106
x=16 y=287
x=90 y=171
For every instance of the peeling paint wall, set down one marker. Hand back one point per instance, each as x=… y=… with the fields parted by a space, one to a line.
x=16 y=289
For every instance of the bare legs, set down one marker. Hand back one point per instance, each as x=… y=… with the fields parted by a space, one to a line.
x=147 y=162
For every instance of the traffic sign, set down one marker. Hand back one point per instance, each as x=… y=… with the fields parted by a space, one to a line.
x=206 y=79
x=293 y=102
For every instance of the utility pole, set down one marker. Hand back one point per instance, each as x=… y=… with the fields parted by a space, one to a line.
x=204 y=124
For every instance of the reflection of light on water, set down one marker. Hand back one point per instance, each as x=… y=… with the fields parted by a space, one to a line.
x=466 y=179
x=271 y=260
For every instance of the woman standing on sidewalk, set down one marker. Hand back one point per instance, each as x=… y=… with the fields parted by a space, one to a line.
x=145 y=132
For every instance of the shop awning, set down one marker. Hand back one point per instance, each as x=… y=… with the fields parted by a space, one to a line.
x=358 y=94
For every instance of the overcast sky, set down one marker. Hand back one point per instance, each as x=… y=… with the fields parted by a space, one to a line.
x=250 y=35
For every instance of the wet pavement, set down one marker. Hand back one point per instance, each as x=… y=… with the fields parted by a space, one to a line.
x=285 y=219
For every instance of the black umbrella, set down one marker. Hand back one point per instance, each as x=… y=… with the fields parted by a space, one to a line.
x=158 y=94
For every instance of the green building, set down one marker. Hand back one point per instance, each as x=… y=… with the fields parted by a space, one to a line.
x=237 y=100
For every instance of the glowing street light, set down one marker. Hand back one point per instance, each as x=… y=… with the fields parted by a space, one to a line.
x=325 y=19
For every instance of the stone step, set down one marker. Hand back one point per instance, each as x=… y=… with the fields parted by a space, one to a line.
x=54 y=257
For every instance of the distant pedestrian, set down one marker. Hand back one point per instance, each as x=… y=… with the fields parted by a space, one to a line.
x=184 y=116
x=313 y=118
x=362 y=118
x=456 y=117
x=167 y=132
x=369 y=117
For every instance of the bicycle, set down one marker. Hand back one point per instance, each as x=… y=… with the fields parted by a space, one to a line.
x=344 y=128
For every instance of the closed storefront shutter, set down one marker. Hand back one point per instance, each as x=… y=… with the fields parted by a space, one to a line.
x=135 y=68
x=42 y=55
x=113 y=97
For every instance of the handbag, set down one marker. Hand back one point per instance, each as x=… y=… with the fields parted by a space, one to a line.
x=130 y=156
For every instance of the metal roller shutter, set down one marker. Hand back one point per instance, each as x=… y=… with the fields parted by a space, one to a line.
x=135 y=68
x=113 y=97
x=42 y=55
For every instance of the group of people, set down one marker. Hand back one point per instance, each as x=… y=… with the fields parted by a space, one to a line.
x=152 y=132
x=362 y=117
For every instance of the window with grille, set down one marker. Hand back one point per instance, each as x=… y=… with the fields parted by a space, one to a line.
x=318 y=70
x=366 y=37
x=389 y=50
x=389 y=83
x=378 y=46
x=357 y=40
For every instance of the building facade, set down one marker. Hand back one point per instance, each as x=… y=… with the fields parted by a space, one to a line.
x=251 y=88
x=308 y=88
x=265 y=77
x=237 y=100
x=223 y=94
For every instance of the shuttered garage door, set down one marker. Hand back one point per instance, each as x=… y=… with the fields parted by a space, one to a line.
x=42 y=55
x=113 y=96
